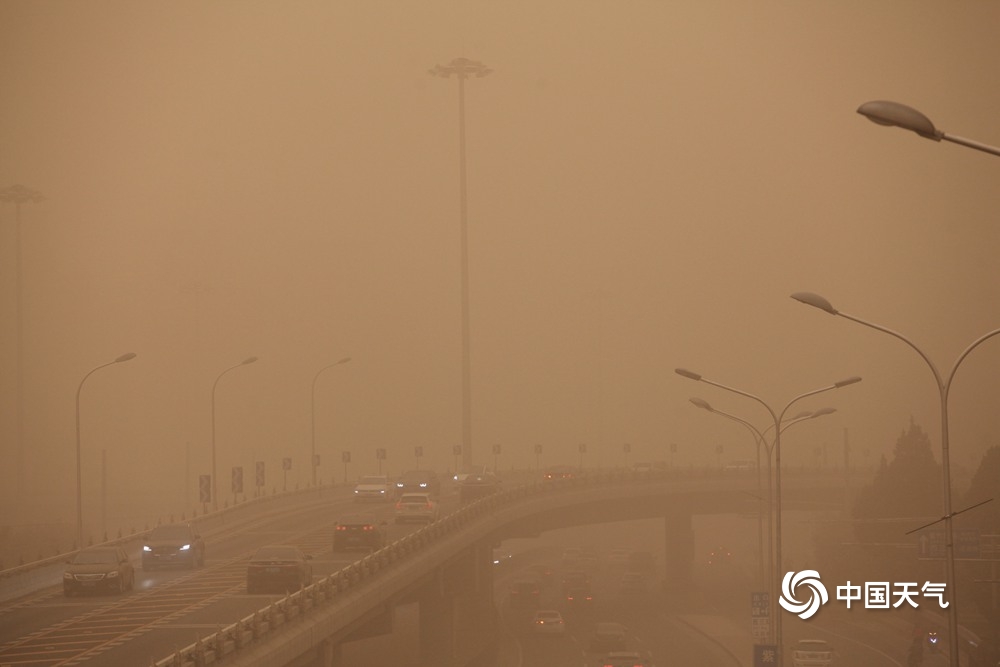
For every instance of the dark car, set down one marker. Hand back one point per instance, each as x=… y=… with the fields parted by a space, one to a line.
x=419 y=481
x=524 y=593
x=359 y=531
x=98 y=569
x=173 y=544
x=278 y=567
x=579 y=596
x=478 y=486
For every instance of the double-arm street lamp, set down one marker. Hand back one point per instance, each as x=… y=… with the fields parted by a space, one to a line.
x=463 y=68
x=215 y=481
x=777 y=418
x=129 y=356
x=944 y=387
x=761 y=439
x=312 y=451
x=895 y=114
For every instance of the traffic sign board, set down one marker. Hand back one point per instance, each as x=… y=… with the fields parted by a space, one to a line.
x=760 y=615
x=286 y=463
x=259 y=476
x=237 y=479
x=205 y=488
x=931 y=544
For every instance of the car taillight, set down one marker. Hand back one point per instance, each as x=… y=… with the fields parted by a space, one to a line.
x=369 y=528
x=341 y=527
x=430 y=505
x=399 y=506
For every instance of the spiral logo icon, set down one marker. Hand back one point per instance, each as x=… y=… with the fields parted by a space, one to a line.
x=817 y=593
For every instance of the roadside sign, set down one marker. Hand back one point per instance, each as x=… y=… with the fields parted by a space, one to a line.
x=205 y=488
x=345 y=457
x=286 y=463
x=418 y=450
x=456 y=450
x=760 y=615
x=237 y=479
x=538 y=449
x=380 y=453
x=259 y=473
x=627 y=448
x=496 y=450
x=765 y=655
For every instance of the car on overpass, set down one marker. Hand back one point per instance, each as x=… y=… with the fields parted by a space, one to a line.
x=558 y=472
x=373 y=488
x=418 y=481
x=478 y=486
x=279 y=567
x=98 y=569
x=173 y=544
x=359 y=531
x=416 y=507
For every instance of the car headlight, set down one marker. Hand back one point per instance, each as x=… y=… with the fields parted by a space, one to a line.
x=112 y=574
x=399 y=485
x=67 y=575
x=356 y=491
x=146 y=548
x=381 y=490
x=423 y=485
x=185 y=547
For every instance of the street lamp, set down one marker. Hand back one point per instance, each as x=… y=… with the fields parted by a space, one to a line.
x=17 y=195
x=312 y=458
x=462 y=68
x=215 y=481
x=895 y=114
x=761 y=439
x=944 y=387
x=777 y=418
x=129 y=356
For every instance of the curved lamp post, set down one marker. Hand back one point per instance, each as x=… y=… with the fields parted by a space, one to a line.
x=895 y=114
x=128 y=356
x=944 y=387
x=215 y=481
x=312 y=457
x=778 y=418
x=761 y=439
x=463 y=68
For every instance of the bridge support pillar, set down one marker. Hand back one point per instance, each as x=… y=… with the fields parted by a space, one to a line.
x=457 y=618
x=328 y=654
x=679 y=552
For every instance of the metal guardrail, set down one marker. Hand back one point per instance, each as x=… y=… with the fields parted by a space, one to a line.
x=256 y=627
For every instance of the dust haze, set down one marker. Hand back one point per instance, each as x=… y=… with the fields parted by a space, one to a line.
x=648 y=182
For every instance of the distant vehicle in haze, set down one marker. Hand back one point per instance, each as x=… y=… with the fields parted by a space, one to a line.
x=469 y=471
x=419 y=481
x=373 y=488
x=98 y=569
x=478 y=486
x=608 y=637
x=416 y=507
x=559 y=472
x=741 y=465
x=812 y=653
x=173 y=544
x=548 y=622
x=358 y=531
x=524 y=593
x=545 y=572
x=579 y=596
x=625 y=659
x=632 y=583
x=278 y=567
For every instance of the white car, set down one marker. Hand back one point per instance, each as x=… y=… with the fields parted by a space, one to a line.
x=548 y=622
x=416 y=507
x=373 y=487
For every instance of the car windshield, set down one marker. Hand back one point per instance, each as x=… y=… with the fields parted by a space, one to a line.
x=415 y=476
x=94 y=556
x=277 y=553
x=372 y=480
x=362 y=520
x=170 y=533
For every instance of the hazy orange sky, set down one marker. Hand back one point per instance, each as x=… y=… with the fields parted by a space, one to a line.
x=647 y=181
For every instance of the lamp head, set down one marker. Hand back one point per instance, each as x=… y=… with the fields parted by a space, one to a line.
x=844 y=383
x=248 y=360
x=701 y=403
x=691 y=375
x=816 y=301
x=899 y=115
x=822 y=412
x=128 y=356
x=344 y=360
